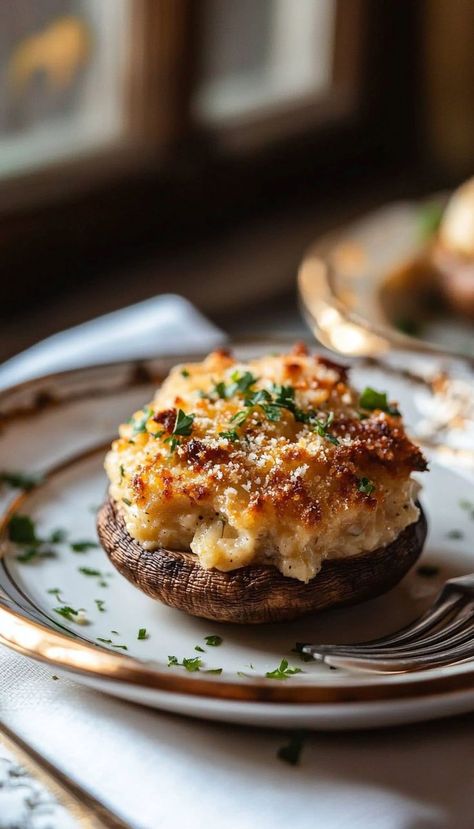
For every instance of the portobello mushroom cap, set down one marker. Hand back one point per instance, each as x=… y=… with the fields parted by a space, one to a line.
x=256 y=593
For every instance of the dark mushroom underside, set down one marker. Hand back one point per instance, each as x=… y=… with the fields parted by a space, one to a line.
x=259 y=593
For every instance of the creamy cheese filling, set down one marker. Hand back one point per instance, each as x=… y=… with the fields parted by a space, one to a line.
x=287 y=478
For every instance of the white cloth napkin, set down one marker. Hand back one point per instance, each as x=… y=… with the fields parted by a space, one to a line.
x=157 y=770
x=160 y=325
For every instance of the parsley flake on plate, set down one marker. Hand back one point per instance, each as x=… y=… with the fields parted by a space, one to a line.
x=83 y=546
x=467 y=506
x=213 y=641
x=55 y=591
x=21 y=529
x=284 y=671
x=20 y=480
x=34 y=553
x=100 y=605
x=89 y=571
x=191 y=663
x=71 y=614
x=142 y=634
x=58 y=536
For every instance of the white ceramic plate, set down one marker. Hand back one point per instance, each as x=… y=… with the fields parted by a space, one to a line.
x=61 y=425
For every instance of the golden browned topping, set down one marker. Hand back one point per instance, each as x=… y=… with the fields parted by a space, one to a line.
x=277 y=460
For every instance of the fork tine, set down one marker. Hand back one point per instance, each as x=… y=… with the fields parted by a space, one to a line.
x=415 y=649
x=443 y=605
x=435 y=614
x=450 y=655
x=456 y=629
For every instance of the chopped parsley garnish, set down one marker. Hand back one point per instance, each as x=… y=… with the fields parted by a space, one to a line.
x=100 y=605
x=127 y=502
x=20 y=480
x=258 y=398
x=58 y=536
x=184 y=424
x=220 y=390
x=199 y=649
x=371 y=399
x=83 y=546
x=321 y=428
x=284 y=671
x=216 y=671
x=115 y=632
x=213 y=641
x=271 y=411
x=68 y=612
x=55 y=591
x=139 y=423
x=263 y=399
x=241 y=383
x=110 y=642
x=240 y=417
x=142 y=634
x=284 y=396
x=455 y=534
x=89 y=571
x=467 y=506
x=365 y=486
x=21 y=529
x=232 y=435
x=427 y=570
x=184 y=373
x=291 y=752
x=192 y=663
x=33 y=553
x=122 y=473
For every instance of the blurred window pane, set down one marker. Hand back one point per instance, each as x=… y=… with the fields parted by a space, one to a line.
x=62 y=69
x=258 y=55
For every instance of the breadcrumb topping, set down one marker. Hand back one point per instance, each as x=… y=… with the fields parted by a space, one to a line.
x=271 y=461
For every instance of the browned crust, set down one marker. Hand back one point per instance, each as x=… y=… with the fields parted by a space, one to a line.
x=260 y=593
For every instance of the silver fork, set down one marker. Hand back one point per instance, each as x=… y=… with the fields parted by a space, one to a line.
x=443 y=635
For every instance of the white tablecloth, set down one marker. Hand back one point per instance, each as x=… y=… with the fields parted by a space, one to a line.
x=158 y=770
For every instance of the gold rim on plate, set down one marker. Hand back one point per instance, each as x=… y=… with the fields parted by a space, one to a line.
x=37 y=641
